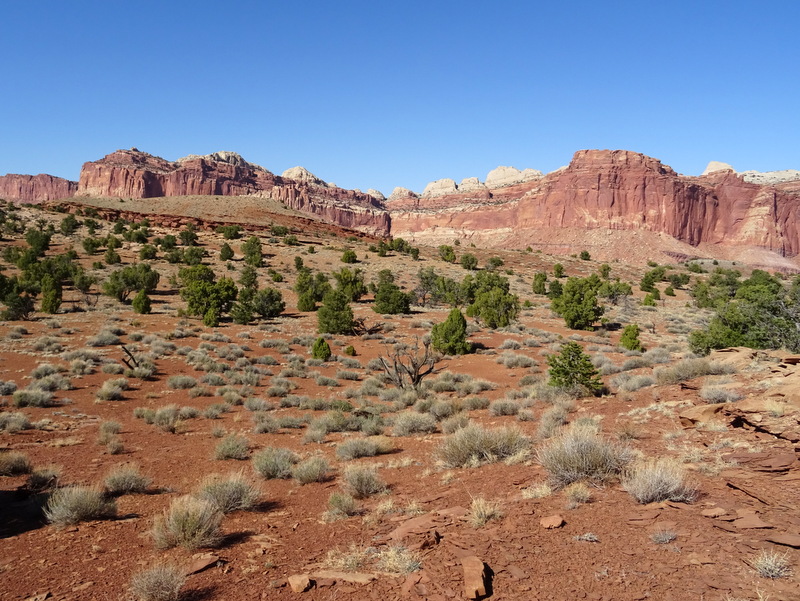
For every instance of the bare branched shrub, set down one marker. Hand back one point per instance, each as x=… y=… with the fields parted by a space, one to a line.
x=406 y=424
x=715 y=394
x=659 y=480
x=408 y=365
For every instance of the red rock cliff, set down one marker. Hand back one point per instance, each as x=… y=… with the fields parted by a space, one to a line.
x=35 y=188
x=134 y=174
x=616 y=190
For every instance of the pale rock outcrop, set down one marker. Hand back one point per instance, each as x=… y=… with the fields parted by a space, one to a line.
x=223 y=156
x=770 y=177
x=400 y=193
x=508 y=176
x=301 y=174
x=715 y=166
x=376 y=194
x=471 y=184
x=440 y=187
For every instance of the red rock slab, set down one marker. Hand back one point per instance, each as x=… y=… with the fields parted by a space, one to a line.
x=785 y=538
x=713 y=512
x=751 y=521
x=200 y=562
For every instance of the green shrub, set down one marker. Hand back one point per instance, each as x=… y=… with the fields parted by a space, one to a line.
x=572 y=367
x=349 y=256
x=630 y=338
x=354 y=448
x=141 y=303
x=321 y=350
x=577 y=303
x=335 y=316
x=450 y=336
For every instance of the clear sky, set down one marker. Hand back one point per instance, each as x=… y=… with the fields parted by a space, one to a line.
x=383 y=94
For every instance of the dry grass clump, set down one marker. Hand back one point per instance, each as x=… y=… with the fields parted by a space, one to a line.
x=658 y=480
x=406 y=424
x=663 y=537
x=181 y=382
x=687 y=369
x=362 y=481
x=126 y=479
x=771 y=564
x=167 y=418
x=313 y=469
x=364 y=447
x=233 y=446
x=230 y=493
x=74 y=504
x=398 y=560
x=13 y=422
x=537 y=491
x=482 y=511
x=474 y=445
x=456 y=422
x=629 y=383
x=716 y=394
x=189 y=522
x=43 y=478
x=504 y=407
x=14 y=463
x=161 y=582
x=112 y=389
x=581 y=454
x=33 y=398
x=577 y=493
x=340 y=505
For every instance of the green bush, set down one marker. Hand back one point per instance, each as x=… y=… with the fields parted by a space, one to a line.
x=349 y=256
x=268 y=303
x=469 y=261
x=450 y=336
x=335 y=316
x=577 y=303
x=141 y=303
x=321 y=350
x=573 y=368
x=630 y=338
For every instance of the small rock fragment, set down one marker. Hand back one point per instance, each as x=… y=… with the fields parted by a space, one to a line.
x=552 y=521
x=299 y=583
x=474 y=577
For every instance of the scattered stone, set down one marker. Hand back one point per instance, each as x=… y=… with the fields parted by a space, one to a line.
x=299 y=583
x=552 y=521
x=200 y=562
x=474 y=577
x=702 y=413
x=713 y=512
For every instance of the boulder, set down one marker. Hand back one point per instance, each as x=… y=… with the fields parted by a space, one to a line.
x=474 y=577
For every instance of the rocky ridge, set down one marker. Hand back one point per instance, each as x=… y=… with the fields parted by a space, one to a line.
x=598 y=197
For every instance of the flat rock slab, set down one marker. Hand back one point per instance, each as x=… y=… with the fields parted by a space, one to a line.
x=474 y=577
x=200 y=562
x=552 y=521
x=751 y=521
x=713 y=512
x=354 y=577
x=785 y=538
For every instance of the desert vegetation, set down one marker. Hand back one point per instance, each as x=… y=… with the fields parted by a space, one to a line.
x=227 y=391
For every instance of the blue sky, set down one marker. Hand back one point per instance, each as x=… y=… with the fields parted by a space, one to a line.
x=377 y=95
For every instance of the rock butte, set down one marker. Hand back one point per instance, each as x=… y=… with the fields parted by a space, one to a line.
x=599 y=195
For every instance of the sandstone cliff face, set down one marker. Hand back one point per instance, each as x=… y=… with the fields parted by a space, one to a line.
x=134 y=174
x=35 y=188
x=613 y=190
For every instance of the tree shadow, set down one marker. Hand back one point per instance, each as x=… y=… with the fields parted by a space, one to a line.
x=199 y=594
x=235 y=538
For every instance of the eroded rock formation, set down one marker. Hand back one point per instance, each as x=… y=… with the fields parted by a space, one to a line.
x=35 y=188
